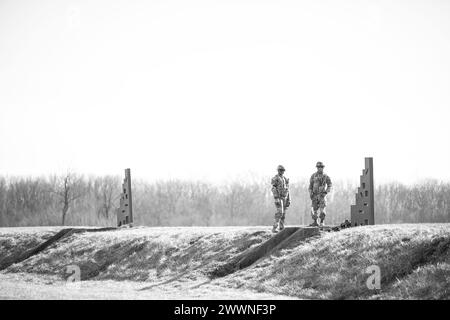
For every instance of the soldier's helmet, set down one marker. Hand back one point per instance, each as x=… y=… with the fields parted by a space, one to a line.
x=320 y=165
x=281 y=168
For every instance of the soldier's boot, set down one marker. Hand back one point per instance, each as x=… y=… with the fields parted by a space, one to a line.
x=274 y=228
x=314 y=216
x=281 y=225
x=314 y=224
x=321 y=222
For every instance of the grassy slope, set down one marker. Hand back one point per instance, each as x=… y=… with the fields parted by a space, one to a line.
x=145 y=254
x=414 y=259
x=14 y=241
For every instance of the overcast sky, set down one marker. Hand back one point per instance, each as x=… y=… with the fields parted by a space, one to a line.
x=216 y=89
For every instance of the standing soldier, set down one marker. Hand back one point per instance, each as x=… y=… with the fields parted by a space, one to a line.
x=280 y=190
x=319 y=186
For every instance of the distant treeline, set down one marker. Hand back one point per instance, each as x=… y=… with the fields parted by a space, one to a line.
x=76 y=200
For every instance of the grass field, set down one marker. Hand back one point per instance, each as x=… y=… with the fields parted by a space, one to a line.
x=180 y=263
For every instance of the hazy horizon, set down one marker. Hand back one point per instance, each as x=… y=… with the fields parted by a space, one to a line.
x=213 y=90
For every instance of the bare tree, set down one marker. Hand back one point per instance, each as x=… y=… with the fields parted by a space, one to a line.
x=235 y=200
x=68 y=188
x=107 y=190
x=47 y=201
x=3 y=190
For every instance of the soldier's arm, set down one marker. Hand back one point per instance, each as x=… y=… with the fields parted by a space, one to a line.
x=288 y=198
x=311 y=183
x=329 y=184
x=274 y=188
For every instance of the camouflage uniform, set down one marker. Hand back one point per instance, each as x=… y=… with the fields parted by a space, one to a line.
x=280 y=190
x=319 y=186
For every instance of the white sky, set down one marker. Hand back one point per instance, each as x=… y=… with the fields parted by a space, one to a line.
x=216 y=89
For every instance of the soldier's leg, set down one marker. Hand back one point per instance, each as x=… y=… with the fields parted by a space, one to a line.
x=314 y=210
x=281 y=224
x=322 y=215
x=277 y=216
x=322 y=210
x=283 y=215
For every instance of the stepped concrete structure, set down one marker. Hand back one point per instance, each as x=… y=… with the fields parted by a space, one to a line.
x=363 y=211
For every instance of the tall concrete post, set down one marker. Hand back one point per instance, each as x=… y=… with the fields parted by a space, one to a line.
x=125 y=211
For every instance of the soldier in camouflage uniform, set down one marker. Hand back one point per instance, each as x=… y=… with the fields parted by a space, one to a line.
x=319 y=186
x=280 y=190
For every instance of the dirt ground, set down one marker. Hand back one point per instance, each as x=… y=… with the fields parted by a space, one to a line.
x=34 y=287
